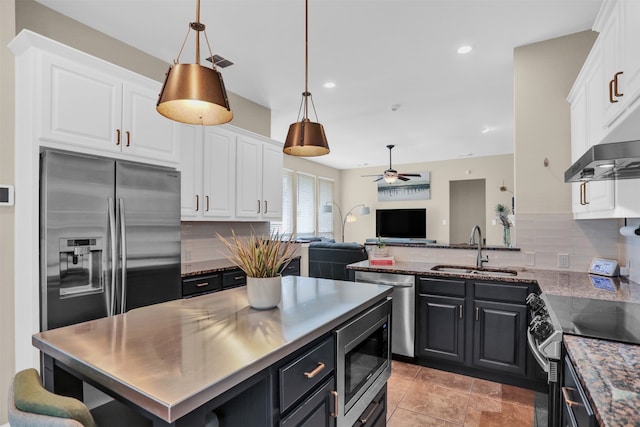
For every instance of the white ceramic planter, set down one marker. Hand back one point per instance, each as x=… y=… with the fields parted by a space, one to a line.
x=264 y=292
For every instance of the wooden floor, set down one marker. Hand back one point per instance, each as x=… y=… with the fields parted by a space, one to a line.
x=425 y=397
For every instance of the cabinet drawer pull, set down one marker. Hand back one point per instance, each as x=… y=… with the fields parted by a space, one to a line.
x=336 y=401
x=200 y=285
x=266 y=207
x=477 y=313
x=615 y=84
x=197 y=203
x=315 y=372
x=611 y=100
x=128 y=138
x=364 y=419
x=206 y=198
x=258 y=206
x=117 y=136
x=238 y=277
x=565 y=394
x=583 y=194
x=460 y=309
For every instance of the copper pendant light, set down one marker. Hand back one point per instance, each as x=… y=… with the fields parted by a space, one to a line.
x=306 y=138
x=193 y=93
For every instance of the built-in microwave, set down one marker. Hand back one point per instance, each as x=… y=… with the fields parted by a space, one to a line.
x=363 y=356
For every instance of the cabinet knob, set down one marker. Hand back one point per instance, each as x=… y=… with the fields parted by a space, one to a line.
x=336 y=402
x=316 y=371
x=567 y=398
x=615 y=84
x=369 y=413
x=611 y=100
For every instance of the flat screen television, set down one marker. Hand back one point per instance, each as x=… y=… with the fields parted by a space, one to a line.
x=404 y=223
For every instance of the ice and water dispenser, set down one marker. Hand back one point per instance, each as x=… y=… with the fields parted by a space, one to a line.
x=80 y=266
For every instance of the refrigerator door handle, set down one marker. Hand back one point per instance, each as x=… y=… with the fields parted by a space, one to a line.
x=123 y=249
x=114 y=256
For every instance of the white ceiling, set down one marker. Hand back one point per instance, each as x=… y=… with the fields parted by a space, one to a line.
x=379 y=53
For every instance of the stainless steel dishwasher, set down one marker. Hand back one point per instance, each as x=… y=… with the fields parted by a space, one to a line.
x=404 y=303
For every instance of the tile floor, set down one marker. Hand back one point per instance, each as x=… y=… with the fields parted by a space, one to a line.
x=424 y=397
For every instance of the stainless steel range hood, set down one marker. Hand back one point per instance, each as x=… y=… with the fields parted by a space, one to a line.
x=618 y=160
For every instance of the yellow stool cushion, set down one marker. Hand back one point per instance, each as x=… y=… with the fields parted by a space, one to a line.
x=31 y=396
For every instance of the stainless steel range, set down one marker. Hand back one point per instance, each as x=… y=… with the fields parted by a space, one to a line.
x=555 y=315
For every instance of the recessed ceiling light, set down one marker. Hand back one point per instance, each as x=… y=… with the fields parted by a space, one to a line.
x=462 y=50
x=486 y=129
x=329 y=85
x=465 y=154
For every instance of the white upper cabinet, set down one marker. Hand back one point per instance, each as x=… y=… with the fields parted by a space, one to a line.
x=219 y=157
x=96 y=107
x=258 y=178
x=144 y=132
x=619 y=26
x=230 y=175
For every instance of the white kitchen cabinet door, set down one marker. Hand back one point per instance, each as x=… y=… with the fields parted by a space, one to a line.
x=191 y=164
x=630 y=12
x=101 y=109
x=219 y=173
x=248 y=176
x=272 y=181
x=610 y=39
x=146 y=133
x=81 y=105
x=258 y=179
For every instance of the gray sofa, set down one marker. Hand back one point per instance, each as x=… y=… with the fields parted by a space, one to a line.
x=329 y=260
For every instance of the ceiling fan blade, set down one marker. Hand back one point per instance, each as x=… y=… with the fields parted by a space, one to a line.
x=402 y=178
x=376 y=180
x=376 y=174
x=409 y=174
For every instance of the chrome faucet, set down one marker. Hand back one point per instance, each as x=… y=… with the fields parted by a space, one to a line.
x=479 y=259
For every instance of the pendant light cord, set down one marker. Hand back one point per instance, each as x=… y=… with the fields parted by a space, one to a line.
x=306 y=59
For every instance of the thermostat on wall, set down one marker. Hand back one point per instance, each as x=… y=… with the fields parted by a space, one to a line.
x=604 y=267
x=6 y=195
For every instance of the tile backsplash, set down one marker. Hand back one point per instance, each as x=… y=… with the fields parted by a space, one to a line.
x=544 y=239
x=199 y=241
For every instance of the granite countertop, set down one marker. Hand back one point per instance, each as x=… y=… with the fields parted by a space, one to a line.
x=418 y=244
x=565 y=283
x=172 y=357
x=197 y=268
x=609 y=373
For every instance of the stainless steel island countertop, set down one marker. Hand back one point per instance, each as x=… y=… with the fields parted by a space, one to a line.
x=173 y=357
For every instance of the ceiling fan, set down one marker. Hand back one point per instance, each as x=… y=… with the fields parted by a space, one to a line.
x=391 y=175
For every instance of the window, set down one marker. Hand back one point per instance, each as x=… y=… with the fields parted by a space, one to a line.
x=306 y=205
x=303 y=195
x=285 y=227
x=325 y=219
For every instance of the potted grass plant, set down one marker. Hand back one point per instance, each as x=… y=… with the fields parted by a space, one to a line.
x=261 y=258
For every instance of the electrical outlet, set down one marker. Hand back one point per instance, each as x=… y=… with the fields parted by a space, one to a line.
x=563 y=260
x=530 y=258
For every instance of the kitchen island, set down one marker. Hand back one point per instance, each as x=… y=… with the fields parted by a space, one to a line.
x=177 y=361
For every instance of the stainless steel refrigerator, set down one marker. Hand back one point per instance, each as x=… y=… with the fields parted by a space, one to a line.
x=109 y=237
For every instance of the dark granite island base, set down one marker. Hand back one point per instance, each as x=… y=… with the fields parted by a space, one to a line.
x=176 y=362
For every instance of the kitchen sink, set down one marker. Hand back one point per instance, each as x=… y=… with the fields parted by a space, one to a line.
x=485 y=271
